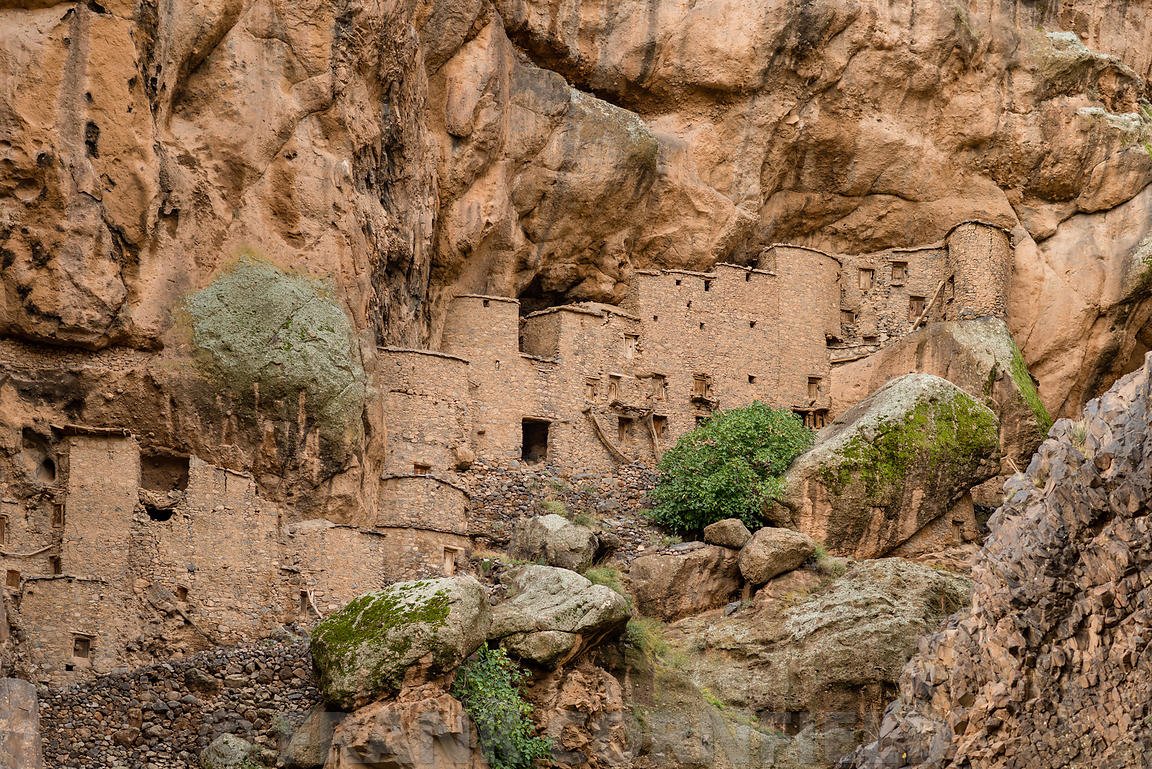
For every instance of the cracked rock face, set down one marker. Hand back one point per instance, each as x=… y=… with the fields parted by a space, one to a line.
x=1046 y=668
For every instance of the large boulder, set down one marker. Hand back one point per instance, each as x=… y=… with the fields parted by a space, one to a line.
x=893 y=474
x=730 y=532
x=424 y=729
x=980 y=357
x=406 y=633
x=772 y=552
x=553 y=614
x=809 y=661
x=684 y=579
x=308 y=745
x=555 y=540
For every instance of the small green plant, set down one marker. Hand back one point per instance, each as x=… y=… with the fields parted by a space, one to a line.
x=607 y=576
x=554 y=507
x=828 y=565
x=581 y=518
x=488 y=686
x=711 y=698
x=646 y=636
x=729 y=467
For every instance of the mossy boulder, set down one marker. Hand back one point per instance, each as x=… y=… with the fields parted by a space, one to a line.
x=409 y=632
x=265 y=335
x=900 y=460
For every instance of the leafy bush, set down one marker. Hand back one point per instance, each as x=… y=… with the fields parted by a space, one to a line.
x=646 y=636
x=728 y=467
x=488 y=685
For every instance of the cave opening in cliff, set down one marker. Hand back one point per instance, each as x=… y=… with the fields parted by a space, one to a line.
x=534 y=297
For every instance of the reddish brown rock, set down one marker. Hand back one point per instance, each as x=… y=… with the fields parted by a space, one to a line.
x=684 y=579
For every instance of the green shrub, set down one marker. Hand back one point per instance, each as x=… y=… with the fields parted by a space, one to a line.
x=554 y=507
x=488 y=685
x=728 y=467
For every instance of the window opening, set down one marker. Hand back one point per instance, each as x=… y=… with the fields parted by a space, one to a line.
x=160 y=472
x=899 y=273
x=867 y=277
x=81 y=647
x=915 y=307
x=814 y=383
x=12 y=578
x=534 y=442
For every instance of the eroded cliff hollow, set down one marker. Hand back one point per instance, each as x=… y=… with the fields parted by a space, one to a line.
x=1047 y=668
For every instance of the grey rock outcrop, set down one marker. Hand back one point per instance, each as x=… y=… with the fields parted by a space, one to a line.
x=772 y=552
x=684 y=579
x=730 y=532
x=553 y=614
x=1046 y=669
x=402 y=635
x=309 y=743
x=556 y=541
x=897 y=466
x=810 y=662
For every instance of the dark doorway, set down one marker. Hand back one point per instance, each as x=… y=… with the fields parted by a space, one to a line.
x=164 y=472
x=534 y=446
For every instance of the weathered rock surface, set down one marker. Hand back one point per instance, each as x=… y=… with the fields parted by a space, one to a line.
x=730 y=532
x=424 y=729
x=978 y=356
x=890 y=467
x=583 y=711
x=557 y=541
x=1045 y=669
x=772 y=552
x=810 y=663
x=658 y=581
x=19 y=725
x=552 y=614
x=229 y=752
x=308 y=745
x=402 y=635
x=534 y=150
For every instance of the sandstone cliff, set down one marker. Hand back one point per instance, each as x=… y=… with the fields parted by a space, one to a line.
x=403 y=151
x=1046 y=667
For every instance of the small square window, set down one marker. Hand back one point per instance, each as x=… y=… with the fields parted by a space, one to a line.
x=701 y=326
x=54 y=564
x=899 y=272
x=81 y=647
x=915 y=307
x=707 y=285
x=751 y=379
x=12 y=578
x=751 y=324
x=867 y=278
x=678 y=281
x=419 y=468
x=814 y=383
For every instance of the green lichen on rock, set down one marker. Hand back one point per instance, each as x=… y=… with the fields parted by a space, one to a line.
x=899 y=459
x=953 y=429
x=265 y=335
x=363 y=652
x=1027 y=388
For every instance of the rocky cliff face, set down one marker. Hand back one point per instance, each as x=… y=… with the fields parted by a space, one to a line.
x=403 y=151
x=1046 y=668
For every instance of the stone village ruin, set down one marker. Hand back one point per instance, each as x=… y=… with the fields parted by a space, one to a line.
x=121 y=550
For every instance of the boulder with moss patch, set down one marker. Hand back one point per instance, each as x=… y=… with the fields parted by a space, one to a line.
x=408 y=633
x=893 y=474
x=265 y=335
